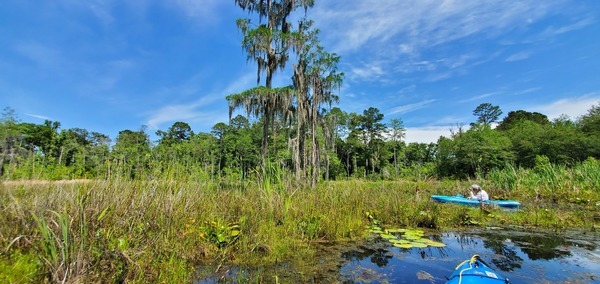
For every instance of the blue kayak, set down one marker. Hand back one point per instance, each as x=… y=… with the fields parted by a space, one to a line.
x=459 y=199
x=475 y=270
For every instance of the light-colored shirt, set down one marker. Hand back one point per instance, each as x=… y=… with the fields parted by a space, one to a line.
x=481 y=195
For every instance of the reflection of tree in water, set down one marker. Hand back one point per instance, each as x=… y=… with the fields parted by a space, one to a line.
x=536 y=246
x=540 y=247
x=509 y=260
x=378 y=256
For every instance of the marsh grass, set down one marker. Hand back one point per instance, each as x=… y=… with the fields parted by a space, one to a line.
x=161 y=231
x=548 y=182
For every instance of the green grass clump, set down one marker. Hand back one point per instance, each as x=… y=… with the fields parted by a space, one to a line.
x=19 y=268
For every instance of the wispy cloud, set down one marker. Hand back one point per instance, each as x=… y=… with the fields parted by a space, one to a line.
x=40 y=54
x=407 y=36
x=201 y=111
x=551 y=31
x=196 y=111
x=422 y=23
x=38 y=116
x=368 y=72
x=572 y=107
x=410 y=107
x=204 y=11
x=518 y=56
x=407 y=89
x=526 y=91
x=241 y=83
x=480 y=97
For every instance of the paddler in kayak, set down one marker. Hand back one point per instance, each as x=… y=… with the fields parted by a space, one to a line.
x=477 y=193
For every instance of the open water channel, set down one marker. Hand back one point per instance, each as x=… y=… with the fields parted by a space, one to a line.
x=520 y=255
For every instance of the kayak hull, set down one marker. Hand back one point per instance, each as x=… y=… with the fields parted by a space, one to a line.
x=459 y=199
x=475 y=271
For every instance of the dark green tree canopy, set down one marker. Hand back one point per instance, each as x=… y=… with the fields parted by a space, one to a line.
x=514 y=117
x=487 y=113
x=177 y=133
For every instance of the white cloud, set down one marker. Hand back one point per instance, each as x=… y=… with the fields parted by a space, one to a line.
x=572 y=107
x=407 y=36
x=480 y=97
x=241 y=83
x=201 y=111
x=565 y=29
x=422 y=23
x=38 y=116
x=410 y=107
x=367 y=72
x=198 y=111
x=427 y=134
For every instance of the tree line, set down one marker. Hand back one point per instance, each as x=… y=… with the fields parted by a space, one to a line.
x=351 y=145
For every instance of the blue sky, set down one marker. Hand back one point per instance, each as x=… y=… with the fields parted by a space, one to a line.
x=111 y=65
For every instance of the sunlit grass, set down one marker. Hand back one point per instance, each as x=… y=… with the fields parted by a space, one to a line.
x=160 y=231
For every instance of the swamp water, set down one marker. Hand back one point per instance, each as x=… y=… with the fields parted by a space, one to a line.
x=521 y=256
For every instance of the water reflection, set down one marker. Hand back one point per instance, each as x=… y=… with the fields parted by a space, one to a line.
x=523 y=257
x=378 y=256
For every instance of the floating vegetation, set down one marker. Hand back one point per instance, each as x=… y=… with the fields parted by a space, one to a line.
x=387 y=236
x=418 y=245
x=403 y=238
x=404 y=246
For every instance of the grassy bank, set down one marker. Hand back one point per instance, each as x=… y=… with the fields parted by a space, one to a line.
x=153 y=231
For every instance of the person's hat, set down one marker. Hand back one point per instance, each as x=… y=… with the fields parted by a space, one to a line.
x=476 y=187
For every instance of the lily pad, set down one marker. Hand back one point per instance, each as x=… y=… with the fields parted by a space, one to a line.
x=414 y=231
x=418 y=245
x=404 y=246
x=396 y=230
x=436 y=244
x=398 y=241
x=376 y=231
x=387 y=236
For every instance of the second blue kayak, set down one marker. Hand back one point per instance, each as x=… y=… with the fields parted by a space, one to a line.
x=459 y=199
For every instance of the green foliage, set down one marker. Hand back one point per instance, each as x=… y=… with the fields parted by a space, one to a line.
x=219 y=234
x=341 y=146
x=19 y=268
x=478 y=150
x=513 y=119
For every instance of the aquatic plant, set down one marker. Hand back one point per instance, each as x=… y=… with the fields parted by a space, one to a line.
x=400 y=237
